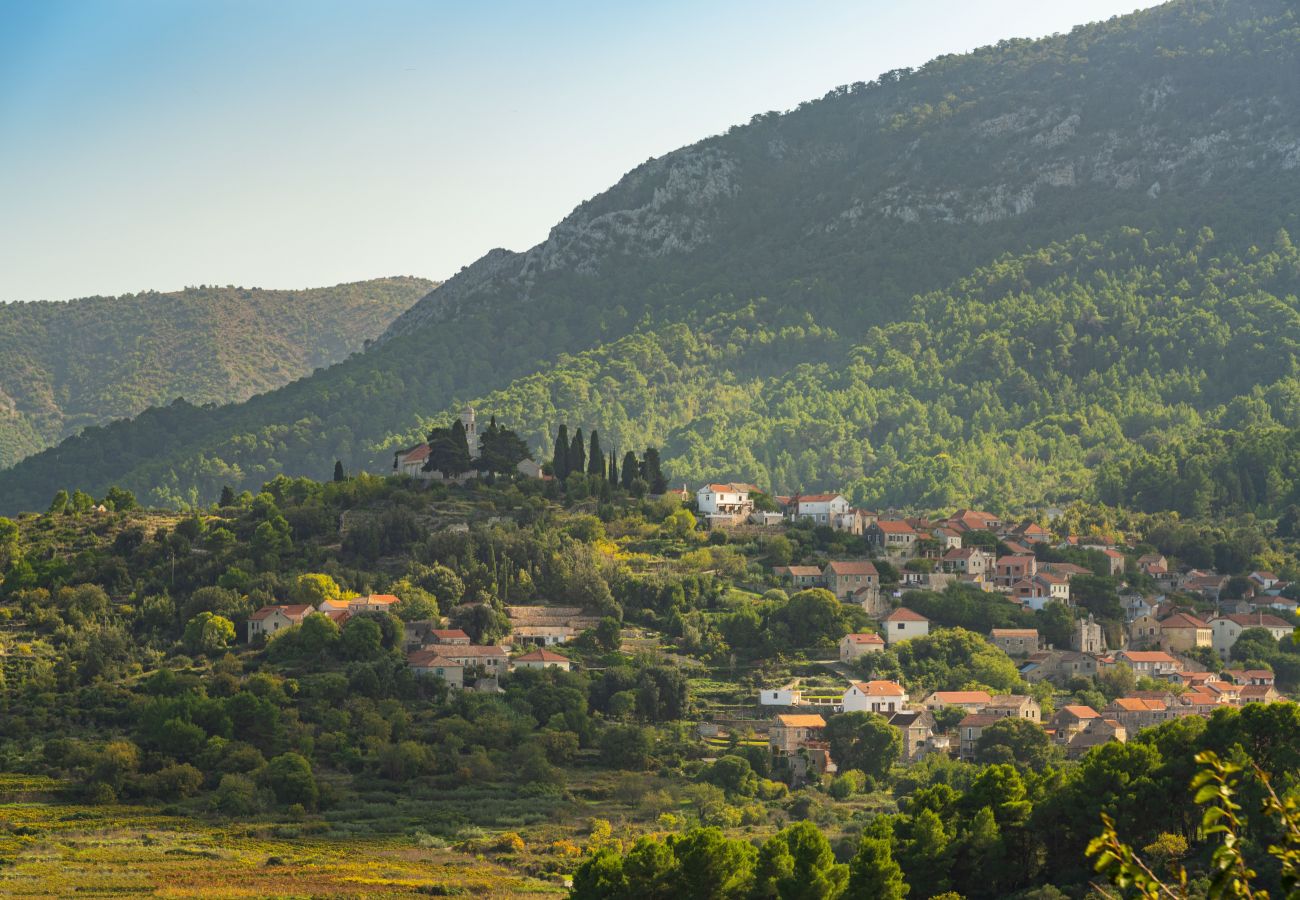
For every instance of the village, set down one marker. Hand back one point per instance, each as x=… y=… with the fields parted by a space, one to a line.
x=1163 y=642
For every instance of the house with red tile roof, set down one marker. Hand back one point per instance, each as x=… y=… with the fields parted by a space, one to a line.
x=902 y=624
x=792 y=731
x=1183 y=631
x=411 y=462
x=971 y=701
x=799 y=577
x=968 y=561
x=1156 y=663
x=1011 y=569
x=1135 y=713
x=491 y=658
x=373 y=603
x=894 y=536
x=883 y=697
x=964 y=520
x=1226 y=629
x=843 y=578
x=1250 y=676
x=1259 y=693
x=1015 y=706
x=541 y=658
x=270 y=619
x=1027 y=533
x=1114 y=559
x=724 y=504
x=1095 y=733
x=1070 y=720
x=853 y=646
x=431 y=664
x=820 y=509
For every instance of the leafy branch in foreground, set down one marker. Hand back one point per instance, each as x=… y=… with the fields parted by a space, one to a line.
x=1230 y=875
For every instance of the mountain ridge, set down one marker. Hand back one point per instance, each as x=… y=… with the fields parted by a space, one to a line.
x=1181 y=116
x=68 y=364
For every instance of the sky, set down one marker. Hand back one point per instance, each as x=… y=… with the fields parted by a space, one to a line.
x=154 y=144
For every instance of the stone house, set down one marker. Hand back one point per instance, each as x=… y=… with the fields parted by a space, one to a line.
x=270 y=619
x=792 y=731
x=1096 y=732
x=429 y=663
x=843 y=578
x=1015 y=706
x=799 y=578
x=892 y=536
x=853 y=646
x=971 y=701
x=1182 y=632
x=1015 y=641
x=491 y=659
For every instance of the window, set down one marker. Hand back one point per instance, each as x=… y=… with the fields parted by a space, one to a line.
x=900 y=626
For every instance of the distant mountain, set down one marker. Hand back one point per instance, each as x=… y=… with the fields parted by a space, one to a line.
x=86 y=362
x=806 y=233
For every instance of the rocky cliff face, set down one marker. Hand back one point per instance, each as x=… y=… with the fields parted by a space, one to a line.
x=667 y=206
x=1124 y=116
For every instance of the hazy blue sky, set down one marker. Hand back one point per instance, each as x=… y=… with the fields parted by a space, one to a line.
x=293 y=143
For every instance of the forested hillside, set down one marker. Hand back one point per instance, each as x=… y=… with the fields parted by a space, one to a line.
x=803 y=232
x=86 y=362
x=1007 y=388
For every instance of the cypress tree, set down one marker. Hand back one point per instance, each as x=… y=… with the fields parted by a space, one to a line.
x=631 y=470
x=227 y=496
x=613 y=467
x=560 y=461
x=596 y=457
x=339 y=474
x=577 y=454
x=654 y=475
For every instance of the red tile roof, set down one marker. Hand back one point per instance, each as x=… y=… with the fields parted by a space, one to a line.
x=294 y=611
x=801 y=721
x=1256 y=620
x=430 y=659
x=864 y=638
x=852 y=568
x=894 y=526
x=1148 y=656
x=1137 y=704
x=879 y=688
x=541 y=654
x=903 y=614
x=1183 y=620
x=1079 y=711
x=957 y=698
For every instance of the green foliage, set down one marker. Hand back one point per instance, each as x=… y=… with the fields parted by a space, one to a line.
x=873 y=872
x=864 y=741
x=953 y=659
x=208 y=634
x=97 y=359
x=796 y=863
x=1015 y=381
